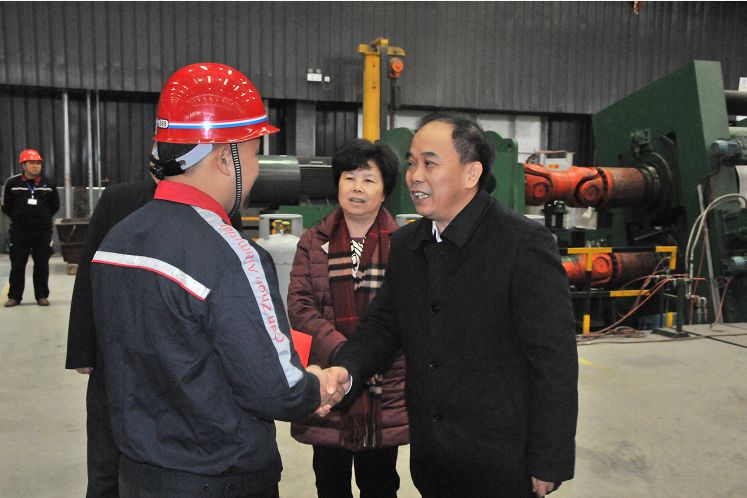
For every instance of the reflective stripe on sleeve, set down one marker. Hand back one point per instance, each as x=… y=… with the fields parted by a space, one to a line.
x=162 y=268
x=255 y=275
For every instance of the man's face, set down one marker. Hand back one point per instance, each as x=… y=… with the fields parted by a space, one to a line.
x=32 y=168
x=249 y=166
x=440 y=186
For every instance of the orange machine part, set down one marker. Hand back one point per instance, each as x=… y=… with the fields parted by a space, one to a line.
x=581 y=186
x=396 y=66
x=601 y=269
x=609 y=270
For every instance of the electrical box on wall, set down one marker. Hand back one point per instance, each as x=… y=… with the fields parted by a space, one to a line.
x=314 y=75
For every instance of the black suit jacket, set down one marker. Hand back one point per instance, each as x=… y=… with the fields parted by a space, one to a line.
x=486 y=325
x=116 y=203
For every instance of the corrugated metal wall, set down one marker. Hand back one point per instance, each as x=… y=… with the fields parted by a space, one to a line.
x=34 y=118
x=562 y=59
x=336 y=124
x=574 y=134
x=531 y=57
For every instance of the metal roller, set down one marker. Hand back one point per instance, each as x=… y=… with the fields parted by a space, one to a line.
x=286 y=180
x=736 y=102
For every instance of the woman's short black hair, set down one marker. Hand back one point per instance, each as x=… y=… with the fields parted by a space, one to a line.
x=358 y=153
x=470 y=142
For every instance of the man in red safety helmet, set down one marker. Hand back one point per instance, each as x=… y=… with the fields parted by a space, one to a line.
x=30 y=200
x=195 y=343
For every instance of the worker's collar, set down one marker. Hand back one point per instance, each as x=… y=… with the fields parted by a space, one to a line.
x=187 y=194
x=37 y=180
x=460 y=228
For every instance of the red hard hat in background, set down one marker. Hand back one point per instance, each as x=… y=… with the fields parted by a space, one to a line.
x=207 y=103
x=29 y=155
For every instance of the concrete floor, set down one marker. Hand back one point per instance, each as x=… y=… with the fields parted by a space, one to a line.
x=657 y=419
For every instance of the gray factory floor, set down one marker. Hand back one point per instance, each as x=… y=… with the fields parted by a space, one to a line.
x=657 y=419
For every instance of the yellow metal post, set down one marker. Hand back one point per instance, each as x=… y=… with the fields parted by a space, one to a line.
x=371 y=95
x=372 y=53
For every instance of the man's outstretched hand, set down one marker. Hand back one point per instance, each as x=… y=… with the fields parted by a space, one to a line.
x=541 y=488
x=334 y=383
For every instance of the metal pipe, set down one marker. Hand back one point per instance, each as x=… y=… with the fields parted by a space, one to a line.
x=712 y=284
x=383 y=95
x=266 y=138
x=66 y=143
x=89 y=140
x=736 y=102
x=98 y=142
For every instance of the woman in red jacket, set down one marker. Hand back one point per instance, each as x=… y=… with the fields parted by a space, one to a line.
x=338 y=268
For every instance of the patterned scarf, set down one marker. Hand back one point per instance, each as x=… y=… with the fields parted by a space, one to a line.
x=354 y=278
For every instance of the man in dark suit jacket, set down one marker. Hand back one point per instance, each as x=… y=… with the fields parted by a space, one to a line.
x=476 y=297
x=116 y=203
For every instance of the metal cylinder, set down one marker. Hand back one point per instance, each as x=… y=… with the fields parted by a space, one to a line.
x=609 y=270
x=290 y=180
x=89 y=156
x=66 y=143
x=735 y=148
x=279 y=235
x=627 y=187
x=736 y=102
x=737 y=264
x=98 y=141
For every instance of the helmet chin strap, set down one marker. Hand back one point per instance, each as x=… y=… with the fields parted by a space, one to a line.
x=237 y=168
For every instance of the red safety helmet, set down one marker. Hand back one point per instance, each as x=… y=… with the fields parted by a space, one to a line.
x=29 y=155
x=207 y=103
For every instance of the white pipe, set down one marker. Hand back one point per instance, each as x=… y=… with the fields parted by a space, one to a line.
x=266 y=138
x=89 y=139
x=98 y=142
x=66 y=142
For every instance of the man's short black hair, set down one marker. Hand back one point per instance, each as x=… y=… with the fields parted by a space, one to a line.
x=470 y=142
x=358 y=153
x=166 y=164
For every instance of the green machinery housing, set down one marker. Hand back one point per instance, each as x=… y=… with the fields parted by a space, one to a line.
x=678 y=127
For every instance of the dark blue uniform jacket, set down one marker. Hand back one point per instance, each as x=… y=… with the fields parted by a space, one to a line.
x=195 y=341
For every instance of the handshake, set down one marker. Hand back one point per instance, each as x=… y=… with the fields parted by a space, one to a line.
x=334 y=383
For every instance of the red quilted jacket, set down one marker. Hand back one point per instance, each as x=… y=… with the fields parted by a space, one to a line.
x=310 y=310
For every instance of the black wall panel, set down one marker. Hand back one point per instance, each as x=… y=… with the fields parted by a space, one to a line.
x=336 y=125
x=30 y=120
x=574 y=134
x=35 y=119
x=529 y=57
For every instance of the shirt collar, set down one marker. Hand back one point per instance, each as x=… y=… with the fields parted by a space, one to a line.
x=187 y=194
x=436 y=233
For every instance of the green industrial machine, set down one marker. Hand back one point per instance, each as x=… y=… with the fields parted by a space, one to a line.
x=678 y=129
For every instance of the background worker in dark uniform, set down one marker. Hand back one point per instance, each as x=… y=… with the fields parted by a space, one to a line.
x=116 y=203
x=30 y=200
